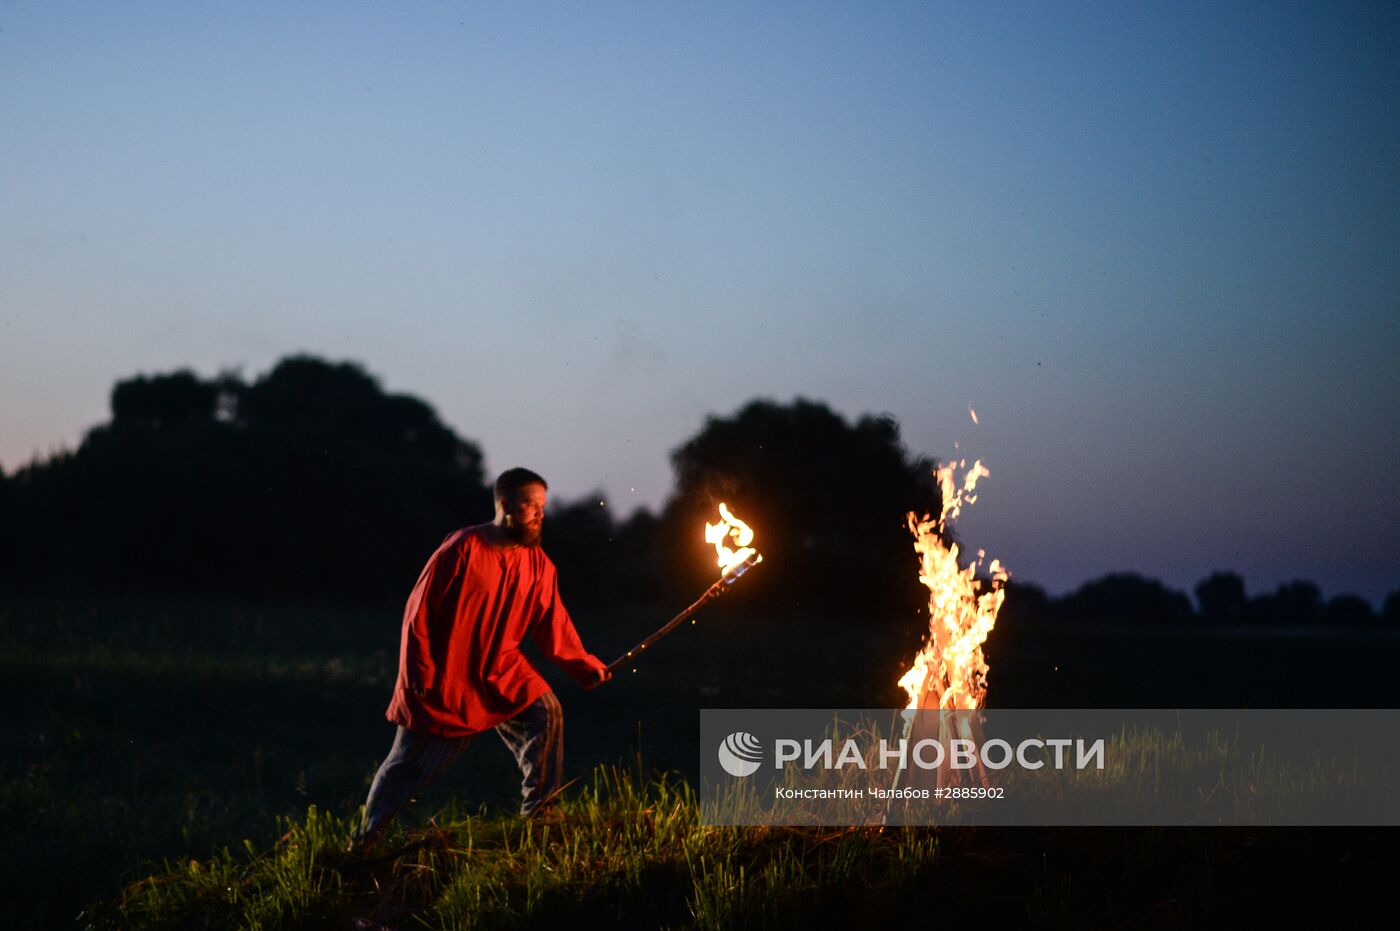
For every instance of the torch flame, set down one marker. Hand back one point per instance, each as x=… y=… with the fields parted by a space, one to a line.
x=949 y=672
x=730 y=528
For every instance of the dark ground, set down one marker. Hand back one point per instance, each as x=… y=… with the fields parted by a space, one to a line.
x=142 y=729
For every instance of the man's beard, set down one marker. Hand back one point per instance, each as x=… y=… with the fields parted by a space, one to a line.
x=524 y=536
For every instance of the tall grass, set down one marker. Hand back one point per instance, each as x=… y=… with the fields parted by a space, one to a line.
x=628 y=852
x=622 y=851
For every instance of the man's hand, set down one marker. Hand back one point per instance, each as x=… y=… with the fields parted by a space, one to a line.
x=603 y=673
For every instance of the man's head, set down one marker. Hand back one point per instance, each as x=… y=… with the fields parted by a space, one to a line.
x=520 y=501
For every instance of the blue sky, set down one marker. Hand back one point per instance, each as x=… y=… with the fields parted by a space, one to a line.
x=1154 y=245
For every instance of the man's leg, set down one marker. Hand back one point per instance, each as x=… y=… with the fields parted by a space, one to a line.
x=414 y=761
x=536 y=737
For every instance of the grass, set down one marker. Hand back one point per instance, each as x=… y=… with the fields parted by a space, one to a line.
x=635 y=855
x=624 y=852
x=190 y=764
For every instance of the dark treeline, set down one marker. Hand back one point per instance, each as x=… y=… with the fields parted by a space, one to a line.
x=1220 y=599
x=312 y=482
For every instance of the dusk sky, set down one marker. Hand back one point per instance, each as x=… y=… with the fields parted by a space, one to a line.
x=1154 y=246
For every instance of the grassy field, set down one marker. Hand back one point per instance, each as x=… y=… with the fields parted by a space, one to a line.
x=140 y=729
x=633 y=855
x=184 y=764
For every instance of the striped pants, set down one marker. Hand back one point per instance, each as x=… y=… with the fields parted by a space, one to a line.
x=535 y=736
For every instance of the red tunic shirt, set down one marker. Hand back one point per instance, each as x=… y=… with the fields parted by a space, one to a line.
x=460 y=667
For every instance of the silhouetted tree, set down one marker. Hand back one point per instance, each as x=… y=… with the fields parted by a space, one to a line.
x=1293 y=603
x=1024 y=604
x=637 y=572
x=1390 y=611
x=579 y=537
x=339 y=406
x=1125 y=598
x=827 y=501
x=1221 y=598
x=602 y=561
x=361 y=485
x=311 y=480
x=1348 y=611
x=158 y=403
x=9 y=527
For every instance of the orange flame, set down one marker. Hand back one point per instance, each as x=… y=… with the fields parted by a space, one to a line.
x=949 y=672
x=733 y=529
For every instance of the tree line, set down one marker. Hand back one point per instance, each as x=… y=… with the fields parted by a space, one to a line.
x=311 y=481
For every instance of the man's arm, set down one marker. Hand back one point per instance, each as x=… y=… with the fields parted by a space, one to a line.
x=423 y=621
x=556 y=636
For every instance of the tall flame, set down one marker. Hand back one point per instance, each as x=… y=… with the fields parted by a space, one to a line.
x=730 y=528
x=949 y=672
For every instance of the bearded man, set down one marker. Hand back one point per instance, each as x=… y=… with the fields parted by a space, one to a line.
x=461 y=671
